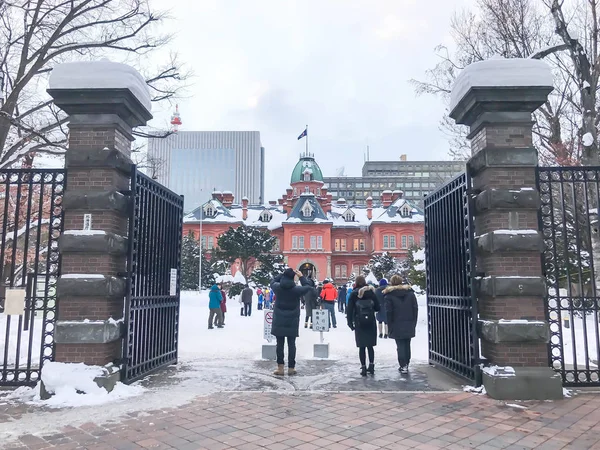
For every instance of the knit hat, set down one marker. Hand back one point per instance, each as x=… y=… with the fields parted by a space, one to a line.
x=289 y=273
x=383 y=282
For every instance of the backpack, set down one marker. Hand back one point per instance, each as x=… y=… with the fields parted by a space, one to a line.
x=365 y=312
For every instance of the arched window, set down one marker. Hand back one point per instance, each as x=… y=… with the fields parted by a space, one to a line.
x=405 y=210
x=209 y=210
x=349 y=216
x=307 y=189
x=307 y=210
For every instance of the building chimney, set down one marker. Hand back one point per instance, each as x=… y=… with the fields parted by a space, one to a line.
x=286 y=209
x=370 y=208
x=227 y=199
x=217 y=195
x=341 y=201
x=386 y=198
x=402 y=157
x=272 y=202
x=288 y=191
x=324 y=191
x=396 y=195
x=245 y=208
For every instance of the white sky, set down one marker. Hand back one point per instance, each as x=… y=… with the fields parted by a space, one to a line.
x=340 y=66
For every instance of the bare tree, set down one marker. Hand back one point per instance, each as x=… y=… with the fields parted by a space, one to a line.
x=512 y=29
x=35 y=35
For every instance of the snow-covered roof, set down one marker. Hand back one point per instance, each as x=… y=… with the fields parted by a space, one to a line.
x=101 y=75
x=227 y=193
x=518 y=72
x=387 y=191
x=234 y=214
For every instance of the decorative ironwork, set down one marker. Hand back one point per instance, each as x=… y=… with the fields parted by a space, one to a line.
x=569 y=223
x=154 y=263
x=31 y=221
x=449 y=255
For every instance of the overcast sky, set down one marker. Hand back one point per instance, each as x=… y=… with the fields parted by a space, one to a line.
x=340 y=66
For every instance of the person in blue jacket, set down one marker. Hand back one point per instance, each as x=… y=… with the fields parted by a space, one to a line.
x=214 y=307
x=348 y=295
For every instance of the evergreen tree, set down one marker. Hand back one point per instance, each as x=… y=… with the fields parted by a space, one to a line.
x=268 y=265
x=208 y=273
x=415 y=267
x=246 y=244
x=190 y=270
x=382 y=266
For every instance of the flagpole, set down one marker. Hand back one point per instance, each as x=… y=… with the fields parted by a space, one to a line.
x=306 y=140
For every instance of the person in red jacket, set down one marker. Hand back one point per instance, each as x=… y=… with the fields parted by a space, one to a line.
x=329 y=295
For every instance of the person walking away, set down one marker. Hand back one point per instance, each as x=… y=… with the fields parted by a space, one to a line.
x=260 y=301
x=247 y=301
x=286 y=315
x=223 y=305
x=311 y=300
x=402 y=312
x=381 y=316
x=342 y=298
x=329 y=295
x=214 y=307
x=350 y=289
x=362 y=306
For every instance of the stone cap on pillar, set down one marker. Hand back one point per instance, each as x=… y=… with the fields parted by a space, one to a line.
x=500 y=91
x=101 y=92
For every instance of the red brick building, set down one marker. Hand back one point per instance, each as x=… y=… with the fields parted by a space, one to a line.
x=322 y=238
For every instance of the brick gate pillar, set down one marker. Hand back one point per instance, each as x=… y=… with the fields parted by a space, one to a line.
x=495 y=98
x=104 y=102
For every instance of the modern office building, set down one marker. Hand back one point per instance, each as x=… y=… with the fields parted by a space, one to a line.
x=196 y=163
x=415 y=178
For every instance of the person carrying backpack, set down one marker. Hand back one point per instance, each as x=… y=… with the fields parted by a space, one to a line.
x=362 y=306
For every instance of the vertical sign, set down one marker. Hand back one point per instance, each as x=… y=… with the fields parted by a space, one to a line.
x=173 y=284
x=268 y=325
x=320 y=319
x=87 y=222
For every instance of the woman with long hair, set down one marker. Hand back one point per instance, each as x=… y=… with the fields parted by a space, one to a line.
x=362 y=306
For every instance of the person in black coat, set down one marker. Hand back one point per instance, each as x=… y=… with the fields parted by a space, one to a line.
x=286 y=315
x=402 y=313
x=362 y=306
x=342 y=298
x=311 y=301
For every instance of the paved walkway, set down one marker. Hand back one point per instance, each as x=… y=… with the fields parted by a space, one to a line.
x=339 y=421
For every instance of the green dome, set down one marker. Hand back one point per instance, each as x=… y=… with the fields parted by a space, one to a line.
x=306 y=163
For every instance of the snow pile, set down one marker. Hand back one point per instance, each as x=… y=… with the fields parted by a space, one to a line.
x=239 y=278
x=223 y=278
x=502 y=372
x=514 y=405
x=567 y=393
x=101 y=75
x=501 y=72
x=73 y=385
x=475 y=390
x=372 y=279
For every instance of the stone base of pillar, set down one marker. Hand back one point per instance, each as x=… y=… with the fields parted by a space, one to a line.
x=269 y=352
x=526 y=383
x=321 y=350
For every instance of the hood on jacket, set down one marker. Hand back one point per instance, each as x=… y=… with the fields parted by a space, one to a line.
x=364 y=289
x=400 y=287
x=215 y=288
x=328 y=285
x=287 y=283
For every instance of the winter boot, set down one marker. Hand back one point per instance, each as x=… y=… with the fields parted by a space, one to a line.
x=291 y=371
x=385 y=336
x=371 y=369
x=305 y=324
x=280 y=371
x=363 y=371
x=380 y=335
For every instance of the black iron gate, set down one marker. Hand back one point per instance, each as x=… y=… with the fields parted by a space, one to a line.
x=31 y=220
x=154 y=262
x=571 y=261
x=451 y=305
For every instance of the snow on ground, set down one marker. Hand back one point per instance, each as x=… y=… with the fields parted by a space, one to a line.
x=575 y=351
x=241 y=339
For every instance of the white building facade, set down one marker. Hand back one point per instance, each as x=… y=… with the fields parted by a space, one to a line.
x=196 y=163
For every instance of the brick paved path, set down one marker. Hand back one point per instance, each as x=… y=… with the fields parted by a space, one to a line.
x=338 y=421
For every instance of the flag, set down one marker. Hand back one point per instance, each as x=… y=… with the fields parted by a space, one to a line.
x=303 y=134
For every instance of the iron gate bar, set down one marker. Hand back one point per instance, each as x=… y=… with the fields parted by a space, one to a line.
x=451 y=304
x=565 y=218
x=23 y=254
x=151 y=312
